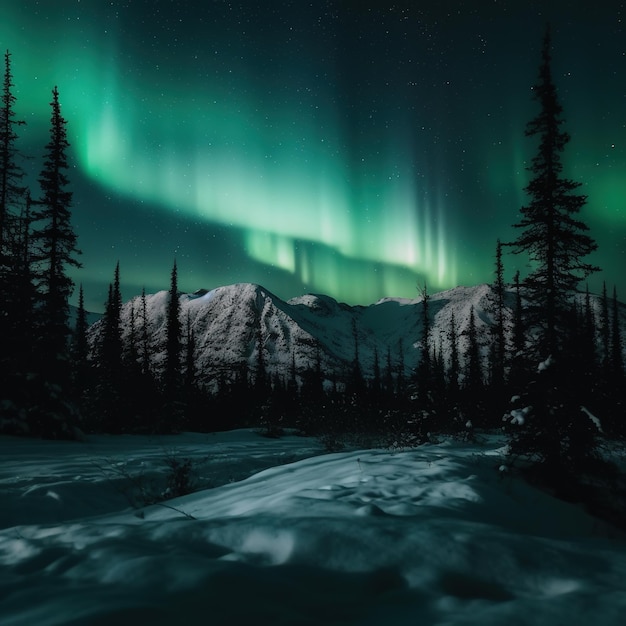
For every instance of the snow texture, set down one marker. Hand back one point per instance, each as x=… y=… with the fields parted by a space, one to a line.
x=226 y=320
x=595 y=420
x=432 y=535
x=518 y=416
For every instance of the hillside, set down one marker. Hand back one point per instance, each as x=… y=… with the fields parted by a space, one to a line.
x=228 y=321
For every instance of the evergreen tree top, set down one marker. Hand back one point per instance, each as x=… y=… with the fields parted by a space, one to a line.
x=552 y=235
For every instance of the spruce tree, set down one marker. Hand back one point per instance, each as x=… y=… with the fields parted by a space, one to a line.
x=473 y=375
x=313 y=396
x=109 y=366
x=16 y=287
x=292 y=386
x=80 y=344
x=424 y=367
x=375 y=386
x=55 y=242
x=80 y=349
x=439 y=387
x=552 y=235
x=389 y=386
x=617 y=359
x=261 y=382
x=190 y=355
x=554 y=431
x=605 y=329
x=616 y=371
x=400 y=372
x=453 y=388
x=356 y=381
x=145 y=335
x=111 y=347
x=498 y=329
x=587 y=342
x=54 y=237
x=173 y=332
x=12 y=191
x=424 y=372
x=519 y=336
x=173 y=351
x=131 y=347
x=116 y=302
x=191 y=384
x=110 y=350
x=142 y=397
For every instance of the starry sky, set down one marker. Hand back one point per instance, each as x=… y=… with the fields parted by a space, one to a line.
x=356 y=148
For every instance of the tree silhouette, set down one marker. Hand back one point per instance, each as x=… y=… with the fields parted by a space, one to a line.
x=473 y=382
x=356 y=381
x=55 y=241
x=54 y=237
x=424 y=366
x=12 y=192
x=80 y=351
x=16 y=285
x=616 y=359
x=145 y=336
x=616 y=370
x=498 y=329
x=191 y=375
x=605 y=329
x=552 y=236
x=108 y=393
x=173 y=351
x=555 y=431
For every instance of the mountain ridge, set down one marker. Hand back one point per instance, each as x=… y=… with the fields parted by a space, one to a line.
x=228 y=322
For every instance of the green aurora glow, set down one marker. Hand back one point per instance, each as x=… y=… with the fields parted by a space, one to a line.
x=254 y=155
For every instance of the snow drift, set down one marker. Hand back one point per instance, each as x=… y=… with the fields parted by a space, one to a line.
x=433 y=535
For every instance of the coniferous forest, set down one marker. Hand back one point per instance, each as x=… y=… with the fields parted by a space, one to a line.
x=549 y=372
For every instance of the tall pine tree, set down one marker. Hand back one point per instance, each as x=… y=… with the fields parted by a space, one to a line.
x=555 y=431
x=145 y=336
x=80 y=348
x=616 y=370
x=55 y=242
x=552 y=235
x=54 y=236
x=172 y=376
x=12 y=191
x=109 y=392
x=616 y=358
x=16 y=287
x=498 y=328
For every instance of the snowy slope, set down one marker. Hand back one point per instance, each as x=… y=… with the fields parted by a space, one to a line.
x=226 y=323
x=433 y=535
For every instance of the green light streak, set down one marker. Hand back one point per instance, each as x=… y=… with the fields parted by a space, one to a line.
x=282 y=175
x=277 y=186
x=304 y=188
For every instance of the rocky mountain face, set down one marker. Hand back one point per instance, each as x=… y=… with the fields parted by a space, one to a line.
x=229 y=323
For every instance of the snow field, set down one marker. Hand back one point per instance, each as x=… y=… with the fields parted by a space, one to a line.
x=433 y=535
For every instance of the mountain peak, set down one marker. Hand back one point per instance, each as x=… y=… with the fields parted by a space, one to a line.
x=228 y=322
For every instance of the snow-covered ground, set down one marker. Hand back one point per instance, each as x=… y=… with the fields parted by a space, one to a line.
x=433 y=535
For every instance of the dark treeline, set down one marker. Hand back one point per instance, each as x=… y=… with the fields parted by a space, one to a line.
x=37 y=246
x=548 y=370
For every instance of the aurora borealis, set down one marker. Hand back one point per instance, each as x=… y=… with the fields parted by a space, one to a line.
x=354 y=148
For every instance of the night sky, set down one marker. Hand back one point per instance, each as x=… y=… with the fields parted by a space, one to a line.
x=353 y=148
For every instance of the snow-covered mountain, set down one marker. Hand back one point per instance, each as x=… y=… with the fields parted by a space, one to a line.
x=228 y=321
